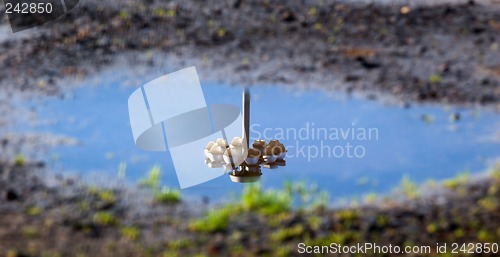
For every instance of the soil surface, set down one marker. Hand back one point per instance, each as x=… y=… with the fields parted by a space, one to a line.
x=61 y=217
x=446 y=53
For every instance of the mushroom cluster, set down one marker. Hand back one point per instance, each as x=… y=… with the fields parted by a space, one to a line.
x=273 y=153
x=220 y=154
x=244 y=166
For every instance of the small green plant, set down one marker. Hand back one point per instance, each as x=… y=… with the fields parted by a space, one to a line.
x=221 y=32
x=382 y=220
x=180 y=244
x=215 y=221
x=19 y=160
x=370 y=198
x=286 y=234
x=459 y=233
x=428 y=119
x=130 y=233
x=348 y=215
x=496 y=172
x=153 y=178
x=122 y=170
x=432 y=228
x=168 y=196
x=31 y=232
x=267 y=202
x=34 y=211
x=169 y=254
x=409 y=188
x=489 y=203
x=485 y=236
x=107 y=196
x=104 y=218
x=160 y=12
x=435 y=79
x=124 y=15
x=312 y=11
x=165 y=195
x=283 y=250
x=457 y=181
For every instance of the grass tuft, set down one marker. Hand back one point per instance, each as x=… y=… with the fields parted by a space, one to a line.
x=19 y=160
x=215 y=221
x=130 y=233
x=168 y=196
x=104 y=218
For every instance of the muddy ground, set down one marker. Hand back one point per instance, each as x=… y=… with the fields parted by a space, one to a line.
x=446 y=53
x=65 y=218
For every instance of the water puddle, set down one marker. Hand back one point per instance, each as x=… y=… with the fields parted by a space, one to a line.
x=346 y=146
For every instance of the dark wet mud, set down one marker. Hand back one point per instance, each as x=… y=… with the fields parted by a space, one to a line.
x=446 y=53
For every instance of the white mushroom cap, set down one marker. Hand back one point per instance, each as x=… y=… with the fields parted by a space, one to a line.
x=210 y=144
x=221 y=142
x=216 y=149
x=237 y=141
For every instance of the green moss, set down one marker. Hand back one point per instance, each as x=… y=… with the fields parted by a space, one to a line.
x=160 y=12
x=457 y=181
x=312 y=11
x=237 y=250
x=283 y=251
x=409 y=188
x=130 y=233
x=314 y=221
x=432 y=228
x=382 y=220
x=428 y=119
x=341 y=238
x=435 y=79
x=275 y=220
x=107 y=196
x=31 y=232
x=19 y=160
x=286 y=234
x=370 y=198
x=485 y=236
x=347 y=214
x=168 y=196
x=496 y=172
x=269 y=202
x=83 y=206
x=221 y=32
x=93 y=190
x=459 y=233
x=215 y=221
x=179 y=244
x=492 y=190
x=170 y=254
x=489 y=203
x=104 y=218
x=124 y=15
x=34 y=211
